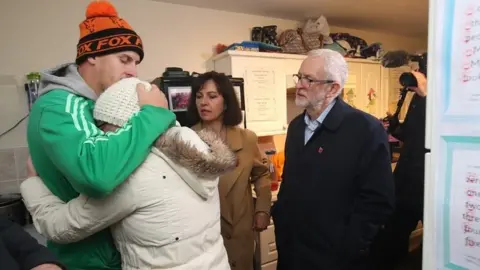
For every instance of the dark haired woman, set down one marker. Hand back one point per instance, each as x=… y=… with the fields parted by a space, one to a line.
x=213 y=105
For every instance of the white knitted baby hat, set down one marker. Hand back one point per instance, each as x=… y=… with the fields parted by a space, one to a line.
x=119 y=102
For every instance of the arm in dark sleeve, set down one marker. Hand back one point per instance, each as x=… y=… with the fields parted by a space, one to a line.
x=375 y=198
x=416 y=114
x=396 y=128
x=24 y=248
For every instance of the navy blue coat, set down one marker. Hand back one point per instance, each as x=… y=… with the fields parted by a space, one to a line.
x=337 y=191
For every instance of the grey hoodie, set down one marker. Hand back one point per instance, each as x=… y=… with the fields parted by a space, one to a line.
x=65 y=77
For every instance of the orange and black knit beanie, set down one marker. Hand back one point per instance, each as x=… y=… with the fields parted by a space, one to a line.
x=103 y=32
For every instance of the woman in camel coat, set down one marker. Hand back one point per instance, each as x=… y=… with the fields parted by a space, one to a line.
x=214 y=106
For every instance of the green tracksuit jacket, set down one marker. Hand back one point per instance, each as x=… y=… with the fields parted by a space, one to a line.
x=73 y=156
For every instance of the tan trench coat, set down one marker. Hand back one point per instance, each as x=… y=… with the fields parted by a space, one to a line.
x=236 y=201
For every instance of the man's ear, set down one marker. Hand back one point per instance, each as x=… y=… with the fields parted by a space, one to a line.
x=92 y=60
x=334 y=90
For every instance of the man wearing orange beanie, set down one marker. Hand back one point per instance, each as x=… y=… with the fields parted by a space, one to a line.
x=68 y=151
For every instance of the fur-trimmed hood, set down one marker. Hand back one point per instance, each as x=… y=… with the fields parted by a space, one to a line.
x=199 y=158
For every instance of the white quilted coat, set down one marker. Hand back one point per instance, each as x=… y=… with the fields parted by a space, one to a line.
x=165 y=216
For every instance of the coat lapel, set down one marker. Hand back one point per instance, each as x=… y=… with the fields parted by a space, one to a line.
x=335 y=116
x=235 y=142
x=296 y=133
x=333 y=120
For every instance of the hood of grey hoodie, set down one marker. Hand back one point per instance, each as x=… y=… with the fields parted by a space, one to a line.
x=65 y=77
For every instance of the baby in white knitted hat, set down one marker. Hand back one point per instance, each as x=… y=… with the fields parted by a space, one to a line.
x=118 y=103
x=169 y=205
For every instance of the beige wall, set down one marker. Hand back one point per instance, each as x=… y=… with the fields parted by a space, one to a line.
x=41 y=34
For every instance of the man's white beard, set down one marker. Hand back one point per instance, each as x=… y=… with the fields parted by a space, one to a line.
x=301 y=102
x=304 y=103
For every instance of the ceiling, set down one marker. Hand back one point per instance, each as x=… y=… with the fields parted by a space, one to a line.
x=404 y=17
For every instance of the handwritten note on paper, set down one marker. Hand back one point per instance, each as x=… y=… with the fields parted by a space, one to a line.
x=452 y=173
x=464 y=77
x=261 y=94
x=465 y=209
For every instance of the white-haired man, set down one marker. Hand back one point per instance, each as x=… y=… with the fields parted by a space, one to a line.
x=337 y=188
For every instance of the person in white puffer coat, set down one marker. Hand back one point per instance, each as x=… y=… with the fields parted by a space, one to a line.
x=166 y=215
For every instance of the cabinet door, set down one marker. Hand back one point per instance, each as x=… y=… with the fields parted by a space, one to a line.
x=351 y=91
x=291 y=67
x=371 y=89
x=385 y=90
x=268 y=247
x=265 y=93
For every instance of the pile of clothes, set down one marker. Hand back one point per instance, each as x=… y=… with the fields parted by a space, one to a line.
x=316 y=34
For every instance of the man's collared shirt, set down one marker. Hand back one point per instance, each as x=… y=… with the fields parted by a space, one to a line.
x=312 y=125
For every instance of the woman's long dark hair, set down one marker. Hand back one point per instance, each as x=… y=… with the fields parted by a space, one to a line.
x=232 y=116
